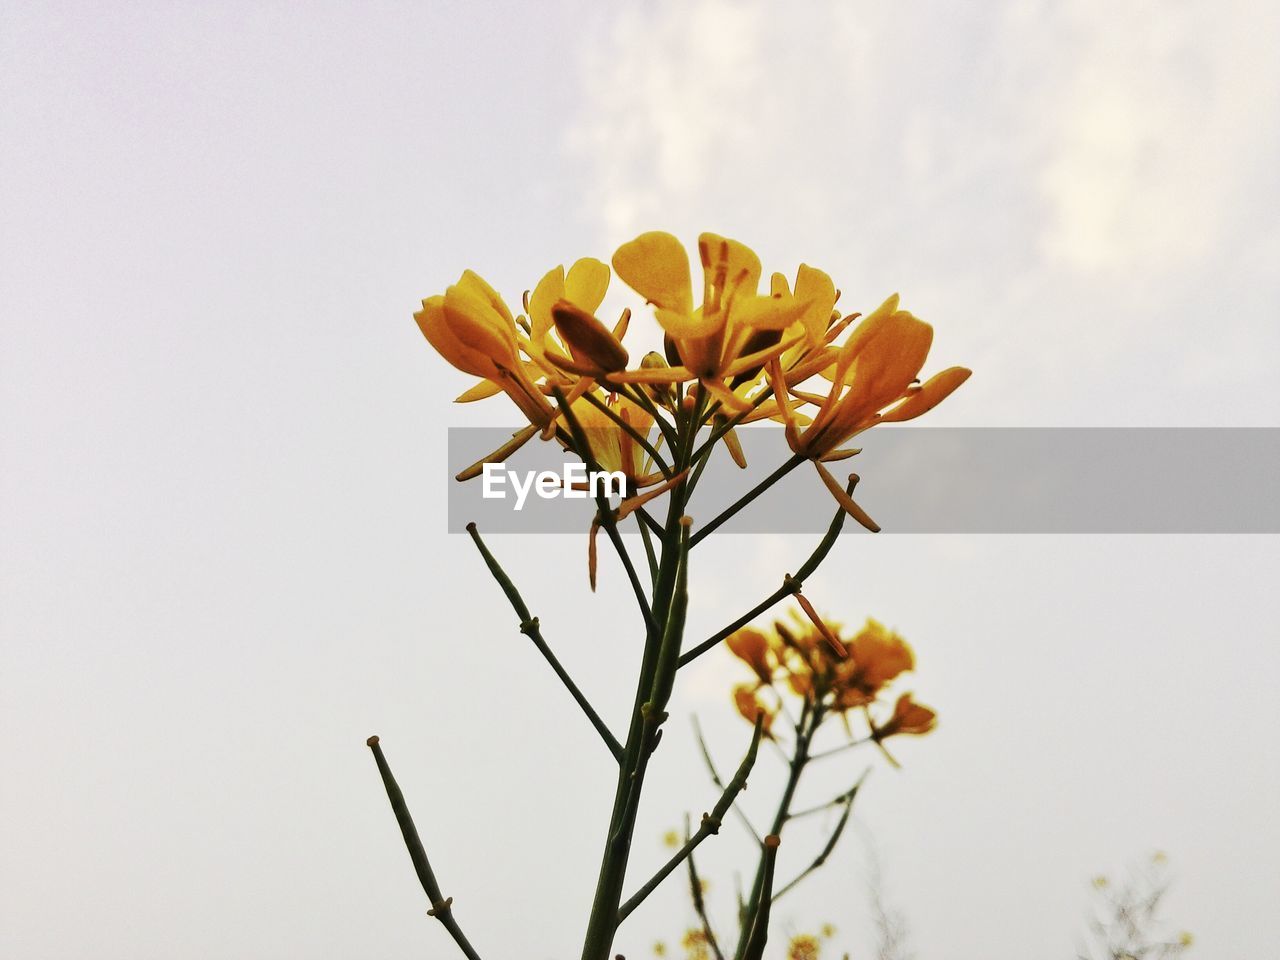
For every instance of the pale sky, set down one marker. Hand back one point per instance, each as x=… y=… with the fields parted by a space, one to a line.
x=224 y=558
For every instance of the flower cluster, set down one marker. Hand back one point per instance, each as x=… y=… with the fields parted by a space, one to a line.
x=839 y=675
x=741 y=354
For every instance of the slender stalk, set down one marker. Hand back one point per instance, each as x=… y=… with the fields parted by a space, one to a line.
x=847 y=800
x=719 y=431
x=790 y=586
x=641 y=740
x=842 y=748
x=632 y=432
x=700 y=906
x=607 y=519
x=710 y=825
x=639 y=397
x=441 y=906
x=794 y=461
x=755 y=918
x=754 y=942
x=532 y=629
x=715 y=778
x=643 y=520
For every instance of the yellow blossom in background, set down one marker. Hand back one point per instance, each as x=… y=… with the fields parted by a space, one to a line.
x=804 y=947
x=695 y=945
x=908 y=717
x=800 y=657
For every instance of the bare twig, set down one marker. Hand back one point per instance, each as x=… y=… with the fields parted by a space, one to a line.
x=531 y=628
x=791 y=585
x=710 y=824
x=441 y=906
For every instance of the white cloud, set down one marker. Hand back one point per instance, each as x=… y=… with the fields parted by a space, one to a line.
x=1064 y=190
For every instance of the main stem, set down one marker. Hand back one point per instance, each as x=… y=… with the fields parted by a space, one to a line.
x=810 y=718
x=646 y=718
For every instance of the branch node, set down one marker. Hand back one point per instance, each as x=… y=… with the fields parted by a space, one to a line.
x=441 y=907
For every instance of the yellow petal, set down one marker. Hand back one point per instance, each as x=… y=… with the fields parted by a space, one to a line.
x=656 y=266
x=481 y=391
x=586 y=284
x=475 y=284
x=730 y=269
x=476 y=324
x=435 y=326
x=549 y=289
x=768 y=313
x=936 y=389
x=819 y=291
x=870 y=324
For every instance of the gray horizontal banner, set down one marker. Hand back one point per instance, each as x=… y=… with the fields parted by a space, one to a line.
x=928 y=480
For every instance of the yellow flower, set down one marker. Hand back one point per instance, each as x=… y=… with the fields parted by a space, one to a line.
x=732 y=332
x=612 y=447
x=755 y=649
x=876 y=656
x=1185 y=939
x=671 y=839
x=472 y=328
x=908 y=717
x=748 y=703
x=873 y=380
x=695 y=945
x=567 y=303
x=804 y=947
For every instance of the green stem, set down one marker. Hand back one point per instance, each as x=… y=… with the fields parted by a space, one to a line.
x=641 y=739
x=700 y=906
x=531 y=628
x=607 y=518
x=441 y=906
x=755 y=918
x=846 y=799
x=631 y=431
x=790 y=586
x=710 y=825
x=795 y=460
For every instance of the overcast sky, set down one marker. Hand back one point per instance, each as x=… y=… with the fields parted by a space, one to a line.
x=224 y=556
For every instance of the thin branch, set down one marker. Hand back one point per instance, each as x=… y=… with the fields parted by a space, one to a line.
x=632 y=432
x=650 y=556
x=441 y=906
x=759 y=934
x=842 y=748
x=847 y=799
x=607 y=518
x=715 y=779
x=791 y=585
x=531 y=628
x=700 y=906
x=710 y=824
x=795 y=460
x=731 y=422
